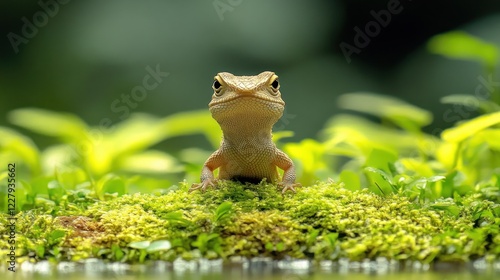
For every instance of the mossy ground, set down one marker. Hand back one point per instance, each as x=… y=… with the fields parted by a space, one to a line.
x=323 y=221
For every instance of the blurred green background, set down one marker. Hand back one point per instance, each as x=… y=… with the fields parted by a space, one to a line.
x=85 y=55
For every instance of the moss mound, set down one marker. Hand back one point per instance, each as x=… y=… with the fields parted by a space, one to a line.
x=323 y=221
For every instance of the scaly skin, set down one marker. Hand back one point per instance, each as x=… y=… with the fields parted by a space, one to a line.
x=246 y=108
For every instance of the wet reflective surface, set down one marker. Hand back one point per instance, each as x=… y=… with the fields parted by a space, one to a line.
x=258 y=268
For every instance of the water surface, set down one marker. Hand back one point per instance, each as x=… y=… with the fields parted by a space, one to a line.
x=259 y=268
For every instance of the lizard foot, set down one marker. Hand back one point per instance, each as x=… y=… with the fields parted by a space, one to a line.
x=203 y=185
x=289 y=186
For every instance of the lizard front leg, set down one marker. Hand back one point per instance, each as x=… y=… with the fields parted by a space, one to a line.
x=207 y=173
x=284 y=162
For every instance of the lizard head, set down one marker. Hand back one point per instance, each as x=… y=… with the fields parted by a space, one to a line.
x=246 y=99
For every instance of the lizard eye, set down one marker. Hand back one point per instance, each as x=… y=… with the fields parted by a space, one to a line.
x=275 y=85
x=217 y=86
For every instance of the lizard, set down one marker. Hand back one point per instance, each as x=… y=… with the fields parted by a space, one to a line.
x=246 y=108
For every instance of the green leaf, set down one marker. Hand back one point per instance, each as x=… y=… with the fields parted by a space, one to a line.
x=40 y=251
x=382 y=181
x=382 y=173
x=355 y=136
x=55 y=190
x=435 y=178
x=448 y=207
x=278 y=135
x=176 y=218
x=471 y=101
x=63 y=125
x=223 y=211
x=310 y=157
x=331 y=238
x=212 y=236
x=70 y=176
x=312 y=236
x=475 y=152
x=139 y=244
x=110 y=184
x=187 y=123
x=461 y=45
x=470 y=127
x=56 y=236
x=56 y=252
x=491 y=137
x=280 y=246
x=159 y=245
x=151 y=161
x=205 y=242
x=407 y=116
x=134 y=134
x=419 y=183
x=117 y=252
x=381 y=159
x=141 y=131
x=142 y=256
x=416 y=165
x=17 y=145
x=41 y=184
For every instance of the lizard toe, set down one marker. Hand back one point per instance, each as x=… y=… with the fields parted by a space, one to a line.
x=289 y=186
x=203 y=185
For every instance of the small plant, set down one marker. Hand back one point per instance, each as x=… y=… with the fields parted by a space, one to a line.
x=223 y=212
x=208 y=244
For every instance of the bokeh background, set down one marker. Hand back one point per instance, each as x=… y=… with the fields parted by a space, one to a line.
x=86 y=54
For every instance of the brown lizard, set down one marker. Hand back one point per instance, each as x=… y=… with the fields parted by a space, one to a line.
x=246 y=108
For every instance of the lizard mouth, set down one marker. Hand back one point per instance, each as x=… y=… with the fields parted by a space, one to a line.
x=251 y=97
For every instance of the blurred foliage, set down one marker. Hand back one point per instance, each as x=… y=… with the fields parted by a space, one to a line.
x=387 y=154
x=460 y=45
x=99 y=159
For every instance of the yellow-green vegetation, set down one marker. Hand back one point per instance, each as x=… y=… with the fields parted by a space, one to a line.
x=324 y=221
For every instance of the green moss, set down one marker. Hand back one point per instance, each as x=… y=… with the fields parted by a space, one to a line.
x=266 y=233
x=38 y=236
x=323 y=221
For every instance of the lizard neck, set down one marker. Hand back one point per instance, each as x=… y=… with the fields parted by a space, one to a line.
x=245 y=134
